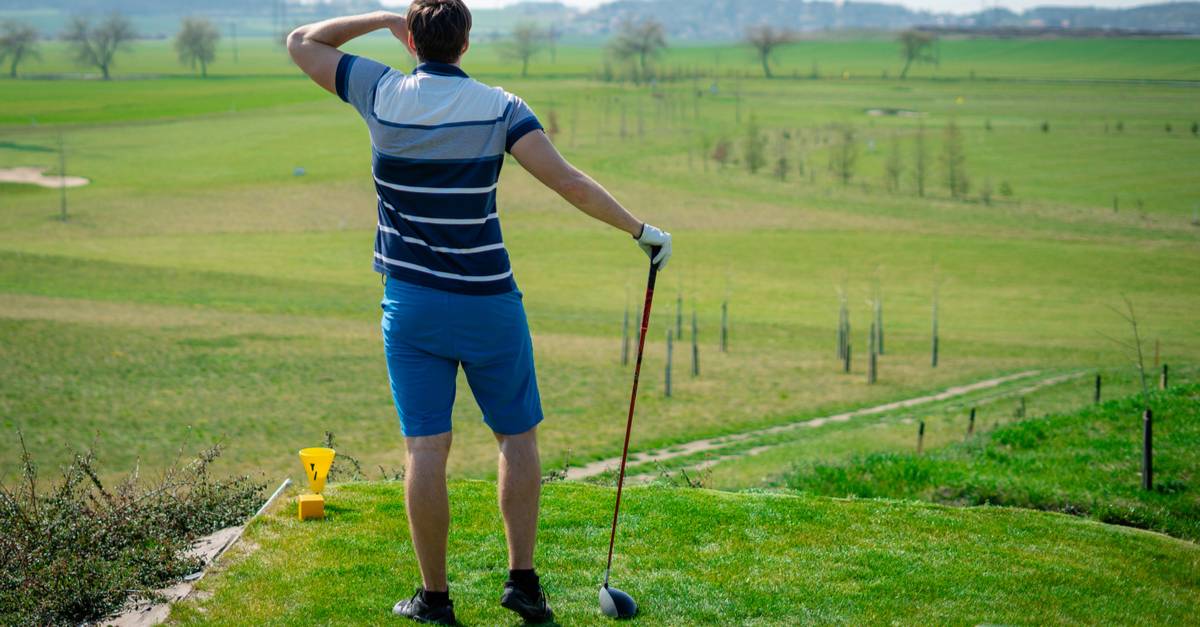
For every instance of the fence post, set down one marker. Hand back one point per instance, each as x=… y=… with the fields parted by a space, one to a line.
x=873 y=359
x=679 y=316
x=670 y=351
x=846 y=361
x=971 y=422
x=1147 y=450
x=1097 y=399
x=725 y=326
x=1162 y=383
x=921 y=438
x=695 y=344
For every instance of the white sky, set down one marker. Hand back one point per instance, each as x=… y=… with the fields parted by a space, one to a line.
x=951 y=6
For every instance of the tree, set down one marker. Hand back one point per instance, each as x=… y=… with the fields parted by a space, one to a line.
x=95 y=45
x=756 y=147
x=523 y=43
x=894 y=166
x=639 y=40
x=954 y=160
x=196 y=43
x=920 y=160
x=17 y=42
x=915 y=46
x=765 y=39
x=553 y=34
x=844 y=155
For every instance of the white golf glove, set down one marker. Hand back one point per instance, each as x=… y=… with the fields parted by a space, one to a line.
x=653 y=236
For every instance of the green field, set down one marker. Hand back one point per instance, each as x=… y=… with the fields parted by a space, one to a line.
x=695 y=557
x=200 y=291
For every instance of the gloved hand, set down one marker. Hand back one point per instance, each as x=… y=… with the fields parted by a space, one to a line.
x=651 y=237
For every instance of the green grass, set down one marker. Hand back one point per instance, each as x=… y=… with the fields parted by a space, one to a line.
x=1086 y=463
x=200 y=291
x=701 y=557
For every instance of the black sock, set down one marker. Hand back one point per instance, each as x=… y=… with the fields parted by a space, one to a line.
x=525 y=580
x=435 y=599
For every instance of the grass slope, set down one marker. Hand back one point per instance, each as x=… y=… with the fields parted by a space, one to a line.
x=1086 y=463
x=701 y=557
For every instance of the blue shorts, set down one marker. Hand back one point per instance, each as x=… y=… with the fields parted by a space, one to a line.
x=427 y=333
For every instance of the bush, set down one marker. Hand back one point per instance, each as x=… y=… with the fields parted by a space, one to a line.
x=80 y=550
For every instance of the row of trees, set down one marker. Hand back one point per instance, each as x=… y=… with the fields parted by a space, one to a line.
x=842 y=144
x=95 y=44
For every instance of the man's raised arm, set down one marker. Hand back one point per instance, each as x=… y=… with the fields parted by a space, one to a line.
x=314 y=47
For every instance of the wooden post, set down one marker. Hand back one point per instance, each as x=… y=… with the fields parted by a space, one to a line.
x=625 y=338
x=1020 y=413
x=921 y=438
x=695 y=344
x=670 y=351
x=62 y=177
x=846 y=361
x=1148 y=450
x=879 y=323
x=1162 y=382
x=871 y=356
x=725 y=326
x=679 y=316
x=1097 y=398
x=971 y=422
x=934 y=343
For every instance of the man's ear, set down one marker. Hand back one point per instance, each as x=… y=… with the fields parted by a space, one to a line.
x=411 y=45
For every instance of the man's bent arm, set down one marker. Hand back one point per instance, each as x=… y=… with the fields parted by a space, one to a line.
x=314 y=47
x=537 y=155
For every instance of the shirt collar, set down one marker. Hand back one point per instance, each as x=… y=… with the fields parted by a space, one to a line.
x=440 y=69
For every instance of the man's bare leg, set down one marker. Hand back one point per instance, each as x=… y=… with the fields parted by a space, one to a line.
x=428 y=506
x=520 y=487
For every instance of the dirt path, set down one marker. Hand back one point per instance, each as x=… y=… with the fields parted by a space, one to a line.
x=709 y=444
x=709 y=463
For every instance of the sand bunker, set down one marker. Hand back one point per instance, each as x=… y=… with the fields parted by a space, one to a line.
x=37 y=176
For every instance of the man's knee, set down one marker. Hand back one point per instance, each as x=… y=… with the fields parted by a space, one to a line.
x=527 y=439
x=429 y=446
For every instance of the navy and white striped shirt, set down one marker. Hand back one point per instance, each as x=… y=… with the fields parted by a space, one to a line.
x=439 y=139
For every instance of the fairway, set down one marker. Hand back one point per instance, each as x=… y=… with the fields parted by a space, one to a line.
x=200 y=291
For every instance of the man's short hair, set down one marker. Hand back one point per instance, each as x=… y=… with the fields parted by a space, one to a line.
x=439 y=29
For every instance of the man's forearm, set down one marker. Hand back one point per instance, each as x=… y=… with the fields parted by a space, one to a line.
x=591 y=198
x=337 y=31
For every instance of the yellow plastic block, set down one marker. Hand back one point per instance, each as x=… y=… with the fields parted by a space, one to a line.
x=312 y=506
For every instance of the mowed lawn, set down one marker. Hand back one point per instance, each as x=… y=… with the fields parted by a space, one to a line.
x=201 y=291
x=697 y=557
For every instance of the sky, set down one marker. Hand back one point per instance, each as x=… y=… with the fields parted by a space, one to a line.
x=949 y=6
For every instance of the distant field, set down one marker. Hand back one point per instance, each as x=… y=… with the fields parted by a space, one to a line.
x=201 y=291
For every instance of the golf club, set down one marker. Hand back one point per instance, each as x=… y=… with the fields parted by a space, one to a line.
x=613 y=602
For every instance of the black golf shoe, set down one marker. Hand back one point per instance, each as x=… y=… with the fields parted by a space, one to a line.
x=417 y=609
x=532 y=609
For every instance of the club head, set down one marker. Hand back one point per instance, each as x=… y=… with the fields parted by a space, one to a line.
x=616 y=604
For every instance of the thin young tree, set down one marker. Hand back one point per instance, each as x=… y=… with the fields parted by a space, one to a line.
x=525 y=41
x=755 y=147
x=916 y=47
x=18 y=42
x=844 y=156
x=920 y=160
x=765 y=39
x=96 y=45
x=196 y=43
x=954 y=160
x=639 y=41
x=894 y=166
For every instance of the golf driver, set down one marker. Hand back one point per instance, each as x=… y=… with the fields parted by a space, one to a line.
x=613 y=602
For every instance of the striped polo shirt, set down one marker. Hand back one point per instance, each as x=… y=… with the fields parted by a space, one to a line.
x=439 y=139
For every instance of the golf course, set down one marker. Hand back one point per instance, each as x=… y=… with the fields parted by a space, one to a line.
x=1001 y=215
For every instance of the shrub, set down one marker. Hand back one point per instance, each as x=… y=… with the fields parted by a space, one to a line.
x=80 y=550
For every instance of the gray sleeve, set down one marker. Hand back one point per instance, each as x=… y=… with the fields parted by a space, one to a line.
x=521 y=121
x=356 y=80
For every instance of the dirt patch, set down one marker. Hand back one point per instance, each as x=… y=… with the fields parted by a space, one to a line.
x=37 y=176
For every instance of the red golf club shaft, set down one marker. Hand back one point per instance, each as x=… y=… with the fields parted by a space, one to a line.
x=637 y=372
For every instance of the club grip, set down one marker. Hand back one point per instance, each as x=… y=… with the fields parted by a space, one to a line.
x=654 y=250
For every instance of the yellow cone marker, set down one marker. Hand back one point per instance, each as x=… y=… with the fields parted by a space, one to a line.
x=316 y=463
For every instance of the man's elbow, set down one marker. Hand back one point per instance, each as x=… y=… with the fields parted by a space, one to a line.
x=295 y=40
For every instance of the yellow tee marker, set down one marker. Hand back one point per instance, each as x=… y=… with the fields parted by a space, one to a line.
x=316 y=463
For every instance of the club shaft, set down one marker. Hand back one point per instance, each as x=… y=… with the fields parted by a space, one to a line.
x=637 y=371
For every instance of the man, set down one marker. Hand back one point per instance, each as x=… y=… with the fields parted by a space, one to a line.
x=438 y=140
